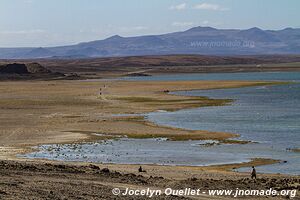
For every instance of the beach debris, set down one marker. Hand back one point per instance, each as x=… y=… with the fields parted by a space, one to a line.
x=209 y=144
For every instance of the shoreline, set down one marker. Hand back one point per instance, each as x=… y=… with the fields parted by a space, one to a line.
x=167 y=170
x=182 y=102
x=72 y=112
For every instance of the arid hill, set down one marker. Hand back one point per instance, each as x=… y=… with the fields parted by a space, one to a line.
x=14 y=68
x=20 y=68
x=36 y=68
x=26 y=71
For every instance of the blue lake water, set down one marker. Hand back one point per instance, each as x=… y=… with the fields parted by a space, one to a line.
x=268 y=115
x=283 y=76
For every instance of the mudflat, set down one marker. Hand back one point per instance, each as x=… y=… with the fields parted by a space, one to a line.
x=43 y=112
x=69 y=111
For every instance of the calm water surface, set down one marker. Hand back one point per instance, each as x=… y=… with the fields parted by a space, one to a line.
x=283 y=76
x=269 y=115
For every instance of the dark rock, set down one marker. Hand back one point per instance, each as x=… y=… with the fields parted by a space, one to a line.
x=194 y=179
x=21 y=68
x=14 y=68
x=61 y=166
x=3 y=192
x=105 y=170
x=94 y=167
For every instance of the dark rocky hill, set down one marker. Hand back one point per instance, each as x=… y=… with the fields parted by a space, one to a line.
x=14 y=68
x=26 y=71
x=20 y=68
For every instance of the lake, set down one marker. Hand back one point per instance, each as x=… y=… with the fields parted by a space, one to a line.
x=267 y=115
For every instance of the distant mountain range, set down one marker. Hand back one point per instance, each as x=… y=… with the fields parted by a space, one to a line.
x=198 y=40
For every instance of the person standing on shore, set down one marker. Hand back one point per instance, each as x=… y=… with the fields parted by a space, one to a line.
x=253 y=173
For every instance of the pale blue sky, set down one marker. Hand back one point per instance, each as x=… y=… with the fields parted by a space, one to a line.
x=61 y=22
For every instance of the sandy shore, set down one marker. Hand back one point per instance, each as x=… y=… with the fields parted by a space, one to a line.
x=55 y=112
x=48 y=112
x=40 y=112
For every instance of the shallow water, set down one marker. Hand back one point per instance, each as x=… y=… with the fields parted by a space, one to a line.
x=142 y=151
x=269 y=115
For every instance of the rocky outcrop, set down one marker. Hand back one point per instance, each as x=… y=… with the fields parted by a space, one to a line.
x=20 y=68
x=36 y=68
x=14 y=68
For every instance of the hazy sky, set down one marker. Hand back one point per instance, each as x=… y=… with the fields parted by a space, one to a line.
x=61 y=22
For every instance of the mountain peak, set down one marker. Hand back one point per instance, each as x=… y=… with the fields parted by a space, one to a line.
x=288 y=29
x=38 y=52
x=254 y=29
x=114 y=37
x=201 y=28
